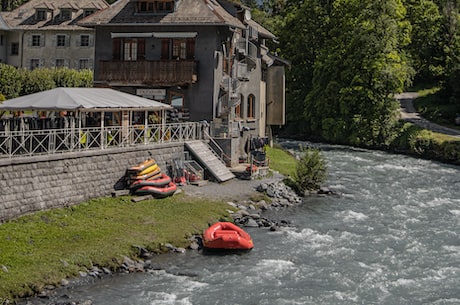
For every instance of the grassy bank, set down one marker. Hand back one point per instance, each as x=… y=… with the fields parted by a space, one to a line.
x=45 y=247
x=281 y=161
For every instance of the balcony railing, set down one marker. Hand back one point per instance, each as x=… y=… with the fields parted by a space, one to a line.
x=52 y=141
x=164 y=72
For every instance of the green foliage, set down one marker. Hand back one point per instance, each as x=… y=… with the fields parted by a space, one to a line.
x=37 y=80
x=14 y=82
x=436 y=106
x=45 y=247
x=356 y=71
x=427 y=144
x=10 y=81
x=64 y=77
x=310 y=171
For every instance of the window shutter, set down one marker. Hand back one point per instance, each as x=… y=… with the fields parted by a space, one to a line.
x=190 y=48
x=141 y=49
x=91 y=41
x=165 y=49
x=78 y=41
x=67 y=40
x=116 y=45
x=42 y=40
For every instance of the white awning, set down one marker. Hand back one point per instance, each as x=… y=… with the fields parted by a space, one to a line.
x=175 y=34
x=85 y=99
x=131 y=35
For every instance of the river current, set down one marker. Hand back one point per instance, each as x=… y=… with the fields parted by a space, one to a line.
x=391 y=237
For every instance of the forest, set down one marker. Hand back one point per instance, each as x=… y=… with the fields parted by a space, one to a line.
x=349 y=57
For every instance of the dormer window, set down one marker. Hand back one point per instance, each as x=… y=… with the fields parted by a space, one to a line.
x=155 y=7
x=88 y=12
x=66 y=14
x=40 y=14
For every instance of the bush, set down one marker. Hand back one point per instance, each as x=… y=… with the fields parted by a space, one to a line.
x=10 y=81
x=310 y=171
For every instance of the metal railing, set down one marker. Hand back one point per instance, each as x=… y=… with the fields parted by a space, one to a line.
x=52 y=141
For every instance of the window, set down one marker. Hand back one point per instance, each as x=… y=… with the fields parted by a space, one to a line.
x=181 y=48
x=155 y=7
x=177 y=100
x=88 y=12
x=34 y=63
x=15 y=48
x=239 y=109
x=66 y=14
x=60 y=63
x=40 y=14
x=84 y=41
x=251 y=106
x=1 y=40
x=36 y=39
x=60 y=41
x=128 y=49
x=83 y=64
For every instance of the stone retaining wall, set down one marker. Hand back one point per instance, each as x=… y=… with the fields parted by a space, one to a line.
x=42 y=182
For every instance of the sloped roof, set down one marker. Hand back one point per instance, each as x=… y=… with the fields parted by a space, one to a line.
x=188 y=12
x=262 y=31
x=23 y=17
x=3 y=25
x=96 y=99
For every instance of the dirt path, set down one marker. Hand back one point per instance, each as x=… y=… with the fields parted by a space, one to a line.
x=409 y=114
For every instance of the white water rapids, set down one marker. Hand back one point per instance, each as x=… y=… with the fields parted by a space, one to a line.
x=392 y=237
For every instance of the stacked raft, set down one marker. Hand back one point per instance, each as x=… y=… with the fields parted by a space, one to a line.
x=147 y=178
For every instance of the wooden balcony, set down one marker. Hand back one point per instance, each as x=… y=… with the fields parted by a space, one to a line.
x=161 y=72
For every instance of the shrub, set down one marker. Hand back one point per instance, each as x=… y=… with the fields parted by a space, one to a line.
x=310 y=170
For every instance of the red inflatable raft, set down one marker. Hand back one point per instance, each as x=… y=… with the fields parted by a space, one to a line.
x=226 y=236
x=159 y=180
x=157 y=191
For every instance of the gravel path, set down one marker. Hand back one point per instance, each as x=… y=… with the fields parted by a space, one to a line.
x=235 y=190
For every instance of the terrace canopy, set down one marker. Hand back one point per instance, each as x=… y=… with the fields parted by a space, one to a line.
x=82 y=99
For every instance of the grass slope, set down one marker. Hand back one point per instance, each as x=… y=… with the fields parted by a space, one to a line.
x=45 y=247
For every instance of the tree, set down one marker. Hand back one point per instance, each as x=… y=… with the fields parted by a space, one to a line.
x=426 y=46
x=358 y=69
x=302 y=36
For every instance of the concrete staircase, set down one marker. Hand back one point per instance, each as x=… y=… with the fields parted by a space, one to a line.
x=205 y=156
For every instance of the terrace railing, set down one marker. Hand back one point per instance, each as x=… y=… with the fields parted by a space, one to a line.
x=53 y=141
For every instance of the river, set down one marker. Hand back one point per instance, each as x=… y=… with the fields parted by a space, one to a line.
x=391 y=237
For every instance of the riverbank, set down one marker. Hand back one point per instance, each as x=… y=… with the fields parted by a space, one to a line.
x=41 y=251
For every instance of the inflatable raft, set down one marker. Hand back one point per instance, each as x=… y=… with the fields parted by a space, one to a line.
x=157 y=191
x=226 y=236
x=159 y=180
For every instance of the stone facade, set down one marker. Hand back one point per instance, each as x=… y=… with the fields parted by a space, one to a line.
x=43 y=182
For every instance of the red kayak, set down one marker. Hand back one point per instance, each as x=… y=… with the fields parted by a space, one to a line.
x=226 y=236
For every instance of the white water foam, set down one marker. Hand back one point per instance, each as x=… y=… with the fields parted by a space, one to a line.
x=163 y=298
x=352 y=216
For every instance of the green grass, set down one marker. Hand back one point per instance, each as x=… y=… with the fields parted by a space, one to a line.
x=281 y=161
x=45 y=247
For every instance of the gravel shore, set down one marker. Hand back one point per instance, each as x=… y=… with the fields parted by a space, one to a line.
x=235 y=190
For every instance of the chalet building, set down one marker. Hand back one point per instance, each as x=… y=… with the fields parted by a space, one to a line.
x=206 y=58
x=45 y=34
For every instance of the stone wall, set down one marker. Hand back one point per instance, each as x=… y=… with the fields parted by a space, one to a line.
x=30 y=184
